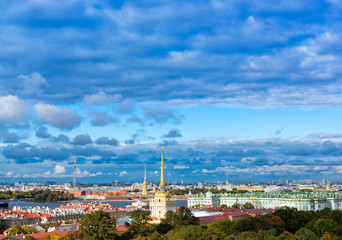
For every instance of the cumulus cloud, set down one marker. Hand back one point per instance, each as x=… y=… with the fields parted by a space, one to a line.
x=59 y=170
x=32 y=84
x=123 y=173
x=12 y=109
x=324 y=135
x=63 y=118
x=100 y=98
x=101 y=119
x=61 y=138
x=82 y=139
x=135 y=119
x=107 y=140
x=180 y=167
x=173 y=133
x=9 y=136
x=168 y=143
x=126 y=106
x=256 y=53
x=162 y=115
x=42 y=132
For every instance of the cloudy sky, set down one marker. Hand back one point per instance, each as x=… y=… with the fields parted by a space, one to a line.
x=234 y=89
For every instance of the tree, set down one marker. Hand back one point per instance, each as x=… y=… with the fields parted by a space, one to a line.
x=15 y=230
x=305 y=234
x=298 y=220
x=236 y=205
x=29 y=238
x=278 y=223
x=2 y=228
x=98 y=225
x=182 y=216
x=247 y=235
x=139 y=222
x=222 y=228
x=286 y=236
x=191 y=232
x=248 y=205
x=326 y=236
x=326 y=225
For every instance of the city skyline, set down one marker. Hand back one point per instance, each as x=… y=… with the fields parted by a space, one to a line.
x=232 y=90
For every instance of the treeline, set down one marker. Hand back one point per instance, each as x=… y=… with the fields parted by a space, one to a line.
x=283 y=224
x=38 y=195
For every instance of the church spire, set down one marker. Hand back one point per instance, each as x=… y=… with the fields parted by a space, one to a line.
x=162 y=179
x=144 y=188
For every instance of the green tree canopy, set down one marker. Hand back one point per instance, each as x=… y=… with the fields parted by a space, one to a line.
x=98 y=225
x=286 y=236
x=191 y=232
x=248 y=205
x=139 y=222
x=305 y=234
x=326 y=225
x=222 y=228
x=182 y=216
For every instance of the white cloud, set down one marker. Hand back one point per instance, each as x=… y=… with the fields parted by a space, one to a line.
x=319 y=168
x=180 y=167
x=9 y=174
x=63 y=118
x=96 y=174
x=59 y=170
x=12 y=109
x=123 y=173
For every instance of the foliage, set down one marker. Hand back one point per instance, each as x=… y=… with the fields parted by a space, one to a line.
x=14 y=230
x=38 y=195
x=305 y=234
x=248 y=205
x=286 y=236
x=326 y=236
x=221 y=228
x=140 y=222
x=98 y=225
x=182 y=216
x=191 y=232
x=2 y=228
x=29 y=238
x=236 y=206
x=284 y=223
x=325 y=225
x=278 y=223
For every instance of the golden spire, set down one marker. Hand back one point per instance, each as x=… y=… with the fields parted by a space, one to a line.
x=144 y=188
x=162 y=179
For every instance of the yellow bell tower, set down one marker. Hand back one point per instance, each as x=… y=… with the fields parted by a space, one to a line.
x=162 y=201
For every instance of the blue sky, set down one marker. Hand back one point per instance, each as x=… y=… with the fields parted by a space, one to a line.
x=234 y=90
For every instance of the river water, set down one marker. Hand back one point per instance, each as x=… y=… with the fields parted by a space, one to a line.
x=51 y=205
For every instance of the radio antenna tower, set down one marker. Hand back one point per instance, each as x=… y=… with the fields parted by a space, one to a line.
x=74 y=171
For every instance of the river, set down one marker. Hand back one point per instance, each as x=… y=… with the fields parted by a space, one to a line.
x=51 y=205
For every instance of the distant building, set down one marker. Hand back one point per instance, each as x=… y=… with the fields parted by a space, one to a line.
x=305 y=201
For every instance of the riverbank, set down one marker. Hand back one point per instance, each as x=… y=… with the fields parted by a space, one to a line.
x=51 y=205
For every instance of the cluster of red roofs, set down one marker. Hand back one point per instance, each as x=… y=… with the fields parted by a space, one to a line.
x=90 y=207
